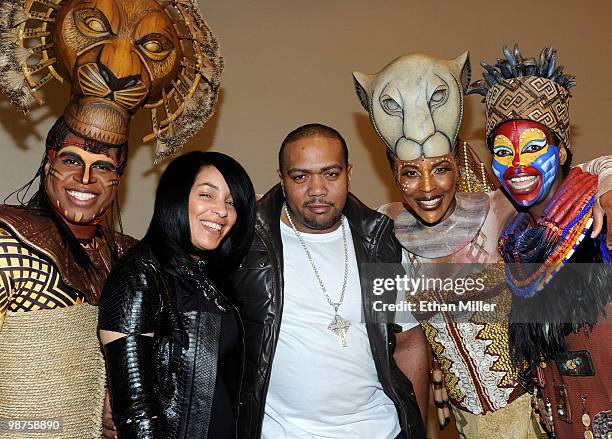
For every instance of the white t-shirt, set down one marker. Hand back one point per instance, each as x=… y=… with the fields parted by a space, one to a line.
x=319 y=389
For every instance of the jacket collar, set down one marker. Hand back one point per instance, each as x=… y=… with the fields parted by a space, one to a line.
x=364 y=221
x=269 y=210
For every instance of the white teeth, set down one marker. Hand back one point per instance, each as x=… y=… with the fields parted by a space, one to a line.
x=211 y=225
x=430 y=203
x=519 y=179
x=83 y=196
x=523 y=182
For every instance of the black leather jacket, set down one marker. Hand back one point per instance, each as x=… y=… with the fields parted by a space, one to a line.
x=258 y=284
x=162 y=386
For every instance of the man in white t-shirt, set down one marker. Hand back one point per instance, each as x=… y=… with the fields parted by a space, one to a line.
x=320 y=361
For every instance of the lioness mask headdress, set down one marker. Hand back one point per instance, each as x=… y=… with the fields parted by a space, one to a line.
x=119 y=56
x=416 y=103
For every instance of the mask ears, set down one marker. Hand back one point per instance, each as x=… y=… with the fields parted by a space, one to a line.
x=364 y=84
x=464 y=69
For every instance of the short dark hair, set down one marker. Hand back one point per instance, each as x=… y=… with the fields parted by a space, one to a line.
x=307 y=131
x=169 y=235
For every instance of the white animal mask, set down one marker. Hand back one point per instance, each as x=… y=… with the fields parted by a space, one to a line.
x=416 y=103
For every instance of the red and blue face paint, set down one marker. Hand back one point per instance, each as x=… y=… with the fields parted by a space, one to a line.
x=525 y=160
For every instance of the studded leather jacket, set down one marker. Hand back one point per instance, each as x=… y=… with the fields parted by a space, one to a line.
x=258 y=285
x=163 y=386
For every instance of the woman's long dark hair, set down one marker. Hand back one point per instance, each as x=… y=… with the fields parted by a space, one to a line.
x=169 y=234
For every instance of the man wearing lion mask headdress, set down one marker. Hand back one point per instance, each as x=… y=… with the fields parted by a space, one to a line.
x=56 y=249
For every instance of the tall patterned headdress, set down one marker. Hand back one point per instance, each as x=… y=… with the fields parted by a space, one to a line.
x=119 y=56
x=526 y=88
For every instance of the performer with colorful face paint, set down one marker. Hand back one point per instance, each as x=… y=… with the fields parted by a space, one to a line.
x=54 y=257
x=560 y=277
x=451 y=214
x=526 y=160
x=57 y=248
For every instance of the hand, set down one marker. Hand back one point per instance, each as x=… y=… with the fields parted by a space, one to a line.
x=603 y=207
x=108 y=426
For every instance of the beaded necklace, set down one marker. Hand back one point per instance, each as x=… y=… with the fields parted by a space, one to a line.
x=535 y=253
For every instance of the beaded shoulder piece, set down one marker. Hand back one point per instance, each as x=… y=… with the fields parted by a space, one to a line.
x=473 y=176
x=534 y=253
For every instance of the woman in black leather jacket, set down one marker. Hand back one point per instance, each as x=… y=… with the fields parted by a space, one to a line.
x=172 y=339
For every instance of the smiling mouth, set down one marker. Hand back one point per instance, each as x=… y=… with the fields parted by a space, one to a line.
x=523 y=184
x=430 y=203
x=81 y=197
x=214 y=227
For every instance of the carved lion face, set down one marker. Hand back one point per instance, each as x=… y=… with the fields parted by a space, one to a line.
x=119 y=54
x=416 y=103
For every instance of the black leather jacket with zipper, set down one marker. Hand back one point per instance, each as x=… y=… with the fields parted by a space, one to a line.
x=163 y=386
x=258 y=286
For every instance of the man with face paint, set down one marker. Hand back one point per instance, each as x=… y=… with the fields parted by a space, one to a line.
x=54 y=257
x=81 y=179
x=526 y=160
x=451 y=215
x=557 y=322
x=55 y=250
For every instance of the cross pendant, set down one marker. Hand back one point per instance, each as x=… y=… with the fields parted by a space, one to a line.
x=340 y=327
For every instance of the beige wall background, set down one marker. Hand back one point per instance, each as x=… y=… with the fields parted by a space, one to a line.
x=290 y=63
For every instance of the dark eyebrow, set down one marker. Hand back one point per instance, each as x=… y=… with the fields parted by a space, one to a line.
x=72 y=155
x=310 y=171
x=334 y=166
x=447 y=162
x=167 y=29
x=209 y=184
x=105 y=162
x=300 y=170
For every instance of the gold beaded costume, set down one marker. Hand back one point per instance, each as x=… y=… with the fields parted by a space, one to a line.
x=415 y=105
x=472 y=350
